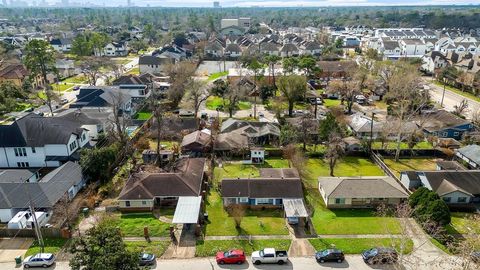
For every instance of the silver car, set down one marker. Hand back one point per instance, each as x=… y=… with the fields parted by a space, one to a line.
x=40 y=259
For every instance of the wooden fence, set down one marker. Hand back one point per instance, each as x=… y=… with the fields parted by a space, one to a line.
x=46 y=233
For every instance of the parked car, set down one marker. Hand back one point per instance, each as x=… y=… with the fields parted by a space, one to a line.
x=186 y=113
x=234 y=256
x=63 y=101
x=330 y=255
x=261 y=114
x=76 y=87
x=269 y=255
x=146 y=259
x=298 y=113
x=29 y=109
x=475 y=256
x=40 y=259
x=380 y=255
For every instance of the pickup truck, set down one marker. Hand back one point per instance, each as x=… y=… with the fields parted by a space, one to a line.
x=269 y=255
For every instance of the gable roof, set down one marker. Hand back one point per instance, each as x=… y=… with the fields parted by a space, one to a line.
x=444 y=182
x=362 y=187
x=35 y=131
x=153 y=60
x=13 y=72
x=441 y=119
x=200 y=136
x=186 y=180
x=45 y=193
x=262 y=188
x=250 y=128
x=472 y=152
x=100 y=96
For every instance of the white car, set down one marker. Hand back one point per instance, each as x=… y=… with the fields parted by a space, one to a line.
x=40 y=259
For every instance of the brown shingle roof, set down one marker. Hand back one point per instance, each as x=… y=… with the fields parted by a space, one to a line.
x=262 y=188
x=185 y=181
x=362 y=187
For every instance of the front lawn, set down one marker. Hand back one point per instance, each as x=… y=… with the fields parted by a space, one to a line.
x=239 y=170
x=134 y=71
x=393 y=145
x=217 y=75
x=358 y=245
x=331 y=103
x=52 y=245
x=61 y=87
x=132 y=225
x=156 y=248
x=255 y=222
x=211 y=247
x=143 y=115
x=461 y=223
x=214 y=102
x=348 y=221
x=348 y=166
x=74 y=79
x=412 y=164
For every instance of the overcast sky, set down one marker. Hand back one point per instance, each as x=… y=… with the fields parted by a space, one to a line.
x=268 y=3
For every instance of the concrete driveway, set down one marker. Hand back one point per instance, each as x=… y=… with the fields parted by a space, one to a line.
x=13 y=247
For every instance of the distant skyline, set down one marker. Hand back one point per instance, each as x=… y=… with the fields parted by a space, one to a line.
x=263 y=3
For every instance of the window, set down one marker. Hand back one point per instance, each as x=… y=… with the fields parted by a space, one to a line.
x=445 y=134
x=84 y=137
x=33 y=150
x=339 y=200
x=447 y=199
x=455 y=133
x=264 y=201
x=462 y=199
x=20 y=152
x=144 y=202
x=127 y=203
x=242 y=200
x=23 y=164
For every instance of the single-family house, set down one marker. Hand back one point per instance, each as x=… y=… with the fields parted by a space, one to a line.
x=63 y=45
x=289 y=49
x=183 y=187
x=93 y=120
x=311 y=48
x=153 y=64
x=258 y=133
x=17 y=74
x=37 y=141
x=412 y=48
x=66 y=68
x=113 y=49
x=470 y=155
x=233 y=50
x=433 y=61
x=213 y=49
x=197 y=143
x=15 y=185
x=275 y=188
x=231 y=142
x=105 y=96
x=361 y=192
x=232 y=30
x=443 y=124
x=269 y=48
x=455 y=187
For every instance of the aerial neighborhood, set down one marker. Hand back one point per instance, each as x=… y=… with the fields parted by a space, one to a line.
x=312 y=137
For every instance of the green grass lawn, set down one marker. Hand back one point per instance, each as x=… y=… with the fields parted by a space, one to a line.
x=134 y=71
x=255 y=222
x=217 y=75
x=462 y=224
x=348 y=221
x=357 y=245
x=143 y=115
x=331 y=102
x=458 y=91
x=52 y=245
x=393 y=145
x=213 y=102
x=133 y=224
x=166 y=144
x=22 y=106
x=239 y=170
x=413 y=164
x=61 y=87
x=211 y=247
x=348 y=166
x=156 y=248
x=75 y=79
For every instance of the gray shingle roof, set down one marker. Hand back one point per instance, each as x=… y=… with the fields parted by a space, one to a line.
x=362 y=187
x=444 y=182
x=472 y=152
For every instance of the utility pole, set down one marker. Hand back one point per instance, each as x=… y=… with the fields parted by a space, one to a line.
x=35 y=221
x=443 y=94
x=371 y=133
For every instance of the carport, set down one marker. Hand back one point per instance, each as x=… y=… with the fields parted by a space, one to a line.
x=294 y=210
x=187 y=210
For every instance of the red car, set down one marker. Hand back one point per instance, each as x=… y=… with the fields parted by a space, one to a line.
x=230 y=257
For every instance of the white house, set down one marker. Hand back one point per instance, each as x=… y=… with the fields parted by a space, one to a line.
x=412 y=47
x=433 y=61
x=63 y=182
x=66 y=68
x=470 y=154
x=153 y=64
x=37 y=141
x=61 y=44
x=114 y=49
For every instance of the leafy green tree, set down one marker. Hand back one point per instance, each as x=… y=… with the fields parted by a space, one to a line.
x=9 y=93
x=138 y=45
x=81 y=45
x=40 y=61
x=288 y=134
x=290 y=64
x=309 y=65
x=97 y=162
x=429 y=207
x=416 y=196
x=328 y=126
x=293 y=88
x=102 y=248
x=271 y=60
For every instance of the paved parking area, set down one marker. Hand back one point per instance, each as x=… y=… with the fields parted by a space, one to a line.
x=13 y=247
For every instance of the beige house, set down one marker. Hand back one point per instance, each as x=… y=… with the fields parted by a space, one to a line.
x=360 y=192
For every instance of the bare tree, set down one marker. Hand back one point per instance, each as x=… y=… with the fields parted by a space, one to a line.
x=346 y=89
x=120 y=117
x=335 y=151
x=306 y=127
x=407 y=96
x=465 y=246
x=197 y=94
x=237 y=211
x=180 y=76
x=461 y=108
x=94 y=67
x=476 y=118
